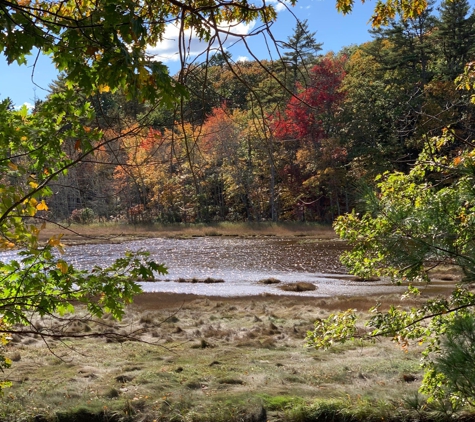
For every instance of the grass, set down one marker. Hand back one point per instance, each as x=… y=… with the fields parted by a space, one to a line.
x=301 y=286
x=118 y=232
x=208 y=280
x=212 y=359
x=270 y=280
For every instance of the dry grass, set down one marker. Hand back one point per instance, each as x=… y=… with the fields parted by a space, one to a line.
x=270 y=280
x=301 y=286
x=206 y=359
x=117 y=232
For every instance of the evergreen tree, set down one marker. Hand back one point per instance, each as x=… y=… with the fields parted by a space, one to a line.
x=219 y=59
x=405 y=53
x=455 y=37
x=302 y=50
x=410 y=46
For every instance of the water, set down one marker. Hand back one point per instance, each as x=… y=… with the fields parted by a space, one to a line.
x=241 y=262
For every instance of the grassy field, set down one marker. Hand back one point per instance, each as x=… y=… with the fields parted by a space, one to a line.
x=213 y=359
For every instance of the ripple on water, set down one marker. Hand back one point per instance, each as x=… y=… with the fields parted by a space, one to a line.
x=240 y=262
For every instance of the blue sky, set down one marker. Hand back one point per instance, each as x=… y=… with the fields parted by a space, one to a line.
x=332 y=29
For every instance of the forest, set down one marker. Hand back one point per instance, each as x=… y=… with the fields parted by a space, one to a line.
x=295 y=139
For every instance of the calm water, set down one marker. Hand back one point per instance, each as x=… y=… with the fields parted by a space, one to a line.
x=240 y=262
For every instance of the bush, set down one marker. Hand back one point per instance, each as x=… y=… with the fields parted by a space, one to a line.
x=456 y=362
x=83 y=216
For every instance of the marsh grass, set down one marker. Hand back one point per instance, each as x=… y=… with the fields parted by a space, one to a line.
x=270 y=280
x=207 y=280
x=249 y=364
x=118 y=232
x=300 y=286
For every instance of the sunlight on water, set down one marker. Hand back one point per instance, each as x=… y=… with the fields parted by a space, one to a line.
x=240 y=262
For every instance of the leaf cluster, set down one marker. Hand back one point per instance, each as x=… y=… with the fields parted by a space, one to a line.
x=413 y=223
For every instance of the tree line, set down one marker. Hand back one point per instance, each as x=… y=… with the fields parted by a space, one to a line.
x=294 y=139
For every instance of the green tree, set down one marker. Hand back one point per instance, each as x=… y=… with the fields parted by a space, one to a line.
x=405 y=52
x=456 y=360
x=410 y=48
x=412 y=224
x=302 y=49
x=370 y=113
x=455 y=37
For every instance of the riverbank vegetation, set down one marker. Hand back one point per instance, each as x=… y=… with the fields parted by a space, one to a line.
x=114 y=232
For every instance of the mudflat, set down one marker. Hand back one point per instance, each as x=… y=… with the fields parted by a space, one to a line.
x=182 y=357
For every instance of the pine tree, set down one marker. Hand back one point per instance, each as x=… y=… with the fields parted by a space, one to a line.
x=405 y=53
x=219 y=59
x=411 y=49
x=302 y=50
x=455 y=37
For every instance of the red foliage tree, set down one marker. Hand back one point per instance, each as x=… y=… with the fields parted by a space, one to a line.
x=310 y=115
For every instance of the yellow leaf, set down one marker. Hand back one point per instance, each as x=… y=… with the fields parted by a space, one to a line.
x=55 y=241
x=6 y=244
x=42 y=206
x=12 y=166
x=33 y=202
x=33 y=185
x=103 y=88
x=63 y=266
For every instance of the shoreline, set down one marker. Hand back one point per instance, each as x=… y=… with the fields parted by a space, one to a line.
x=100 y=233
x=154 y=301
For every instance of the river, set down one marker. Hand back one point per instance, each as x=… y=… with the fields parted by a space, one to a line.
x=240 y=262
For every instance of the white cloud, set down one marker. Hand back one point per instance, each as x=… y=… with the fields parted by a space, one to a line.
x=168 y=49
x=280 y=5
x=242 y=59
x=28 y=105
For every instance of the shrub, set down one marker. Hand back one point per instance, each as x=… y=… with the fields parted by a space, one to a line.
x=83 y=216
x=456 y=362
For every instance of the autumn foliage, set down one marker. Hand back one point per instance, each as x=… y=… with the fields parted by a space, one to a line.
x=309 y=116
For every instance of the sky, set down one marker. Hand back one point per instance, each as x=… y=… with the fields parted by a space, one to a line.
x=25 y=83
